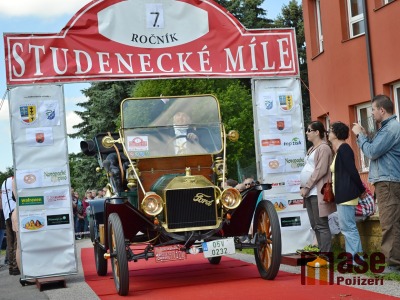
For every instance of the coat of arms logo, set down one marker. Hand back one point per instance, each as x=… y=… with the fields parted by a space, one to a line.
x=28 y=113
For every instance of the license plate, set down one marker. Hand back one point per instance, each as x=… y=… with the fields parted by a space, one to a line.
x=169 y=253
x=218 y=247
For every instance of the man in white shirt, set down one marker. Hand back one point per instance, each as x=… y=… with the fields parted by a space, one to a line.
x=183 y=133
x=9 y=205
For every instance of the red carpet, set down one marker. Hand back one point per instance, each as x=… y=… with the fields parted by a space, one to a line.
x=196 y=278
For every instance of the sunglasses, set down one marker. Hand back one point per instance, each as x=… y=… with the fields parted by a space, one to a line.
x=309 y=130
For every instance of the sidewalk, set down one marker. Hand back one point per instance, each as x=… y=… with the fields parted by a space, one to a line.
x=11 y=289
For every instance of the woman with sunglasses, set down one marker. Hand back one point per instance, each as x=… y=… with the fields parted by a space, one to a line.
x=313 y=176
x=347 y=187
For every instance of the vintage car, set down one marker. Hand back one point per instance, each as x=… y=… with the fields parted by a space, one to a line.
x=166 y=169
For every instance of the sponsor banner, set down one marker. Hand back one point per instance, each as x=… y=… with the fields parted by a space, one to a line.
x=32 y=221
x=280 y=124
x=28 y=114
x=55 y=176
x=286 y=202
x=58 y=220
x=28 y=179
x=33 y=200
x=34 y=178
x=39 y=136
x=142 y=39
x=282 y=163
x=40 y=153
x=49 y=113
x=280 y=153
x=294 y=220
x=282 y=143
x=57 y=198
x=292 y=183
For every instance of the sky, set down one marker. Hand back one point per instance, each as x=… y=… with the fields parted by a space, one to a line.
x=50 y=16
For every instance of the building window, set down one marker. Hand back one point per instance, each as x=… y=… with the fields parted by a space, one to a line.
x=356 y=17
x=396 y=99
x=382 y=3
x=364 y=117
x=320 y=36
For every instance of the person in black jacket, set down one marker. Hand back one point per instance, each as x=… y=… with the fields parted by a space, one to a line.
x=348 y=187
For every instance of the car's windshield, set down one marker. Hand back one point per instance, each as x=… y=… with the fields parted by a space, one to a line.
x=159 y=127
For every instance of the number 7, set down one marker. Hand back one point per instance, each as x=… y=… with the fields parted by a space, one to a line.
x=155 y=21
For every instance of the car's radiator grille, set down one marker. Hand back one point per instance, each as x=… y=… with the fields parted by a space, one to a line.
x=188 y=208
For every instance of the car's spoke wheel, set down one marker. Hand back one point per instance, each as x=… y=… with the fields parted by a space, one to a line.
x=119 y=261
x=268 y=252
x=101 y=262
x=215 y=260
x=92 y=228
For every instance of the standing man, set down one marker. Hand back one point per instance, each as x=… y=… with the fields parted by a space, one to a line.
x=9 y=204
x=384 y=172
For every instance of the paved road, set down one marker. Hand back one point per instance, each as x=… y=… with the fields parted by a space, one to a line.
x=11 y=289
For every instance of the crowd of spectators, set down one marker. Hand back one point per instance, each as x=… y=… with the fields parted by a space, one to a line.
x=81 y=210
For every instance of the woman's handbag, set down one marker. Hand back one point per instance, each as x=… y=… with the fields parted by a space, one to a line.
x=327 y=191
x=366 y=205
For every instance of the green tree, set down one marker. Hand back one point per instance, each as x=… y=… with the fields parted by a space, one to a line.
x=292 y=16
x=4 y=175
x=100 y=114
x=248 y=12
x=83 y=173
x=101 y=111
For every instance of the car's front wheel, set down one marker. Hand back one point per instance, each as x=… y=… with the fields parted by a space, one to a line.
x=215 y=260
x=268 y=252
x=118 y=253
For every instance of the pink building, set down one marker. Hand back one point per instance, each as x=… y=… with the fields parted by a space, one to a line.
x=353 y=53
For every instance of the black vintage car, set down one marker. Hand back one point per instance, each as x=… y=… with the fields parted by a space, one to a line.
x=165 y=168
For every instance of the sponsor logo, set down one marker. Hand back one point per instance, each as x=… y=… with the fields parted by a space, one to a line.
x=28 y=113
x=271 y=142
x=295 y=162
x=285 y=102
x=29 y=178
x=280 y=125
x=34 y=200
x=269 y=104
x=294 y=142
x=55 y=176
x=58 y=219
x=200 y=197
x=39 y=137
x=50 y=114
x=137 y=142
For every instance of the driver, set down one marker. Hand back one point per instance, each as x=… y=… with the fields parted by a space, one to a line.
x=183 y=133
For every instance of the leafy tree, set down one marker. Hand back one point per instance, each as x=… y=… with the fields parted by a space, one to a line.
x=292 y=16
x=83 y=173
x=248 y=12
x=102 y=108
x=101 y=114
x=4 y=175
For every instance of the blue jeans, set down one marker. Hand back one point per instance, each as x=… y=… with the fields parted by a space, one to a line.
x=2 y=231
x=348 y=227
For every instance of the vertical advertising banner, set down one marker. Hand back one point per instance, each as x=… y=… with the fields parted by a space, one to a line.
x=40 y=153
x=280 y=150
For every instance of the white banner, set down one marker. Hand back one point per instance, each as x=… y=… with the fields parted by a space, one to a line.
x=46 y=226
x=280 y=150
